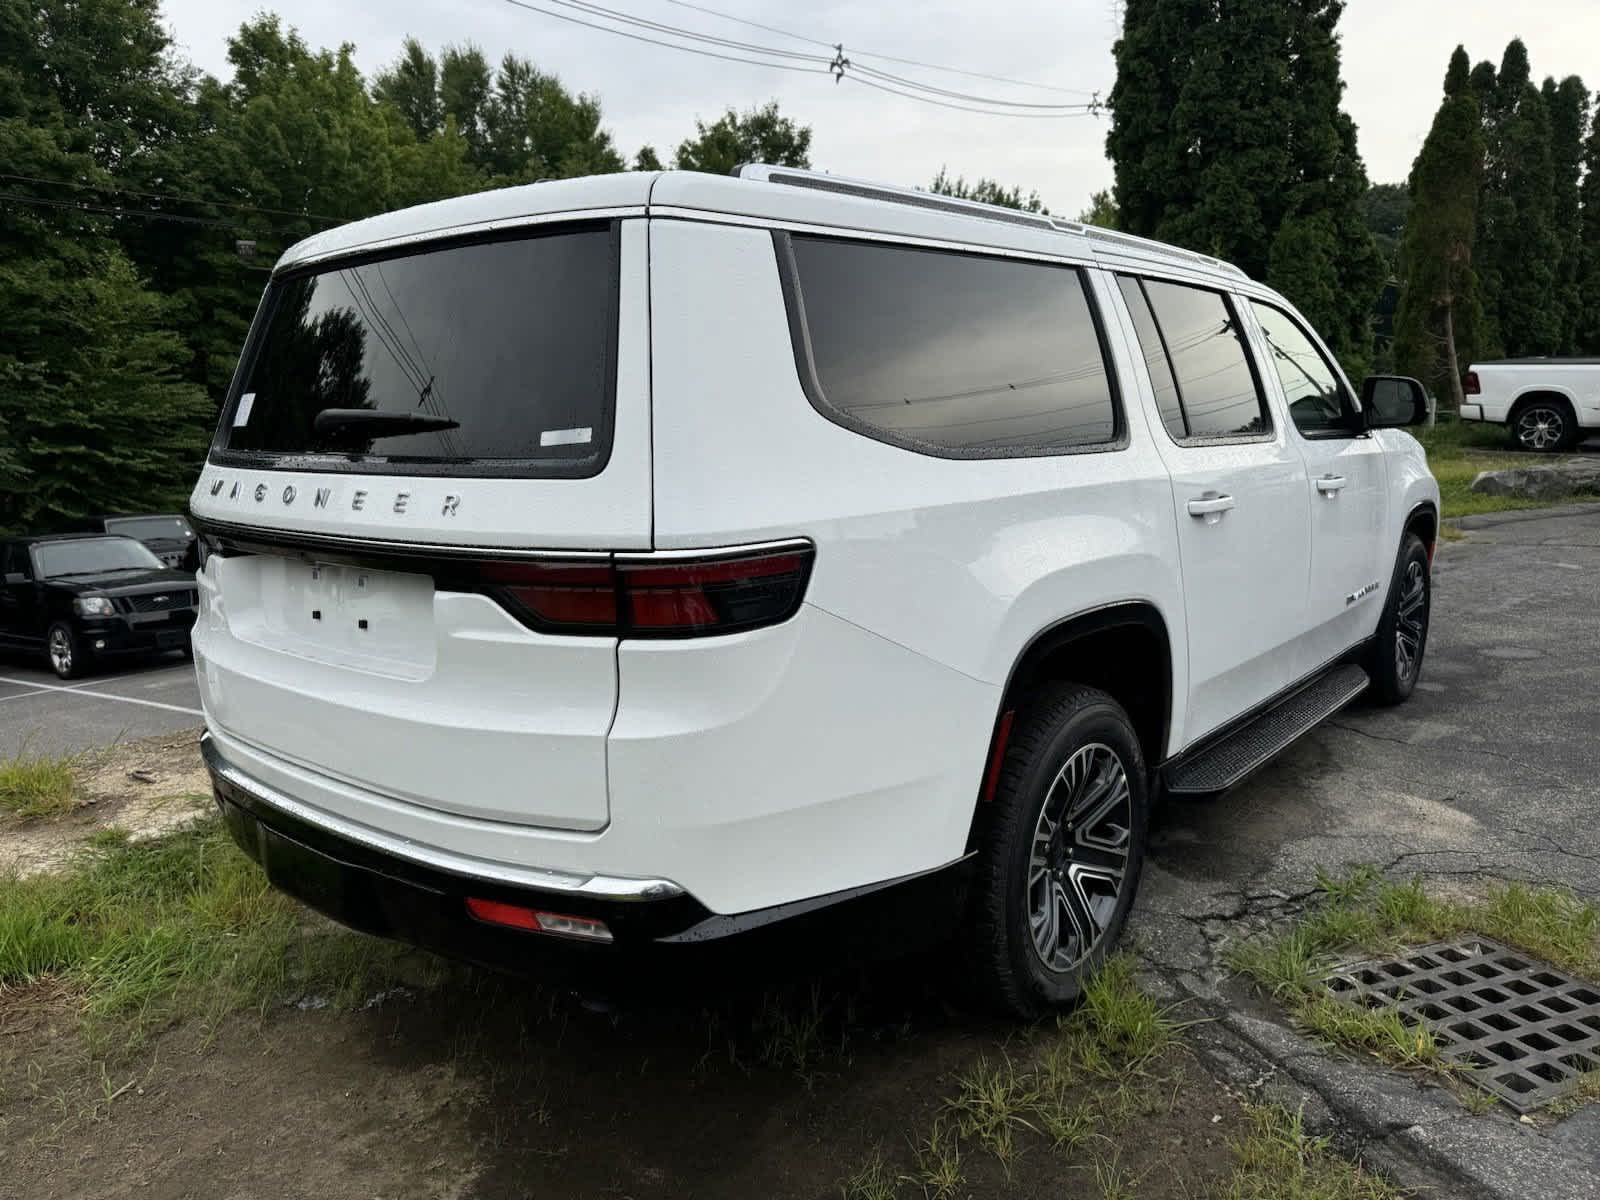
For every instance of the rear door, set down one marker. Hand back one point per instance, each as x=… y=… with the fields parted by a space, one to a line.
x=1346 y=481
x=1239 y=490
x=407 y=433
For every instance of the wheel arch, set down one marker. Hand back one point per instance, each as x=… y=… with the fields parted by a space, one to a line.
x=1545 y=392
x=1423 y=520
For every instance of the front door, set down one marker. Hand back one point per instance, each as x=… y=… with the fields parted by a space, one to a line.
x=17 y=601
x=1239 y=489
x=1347 y=487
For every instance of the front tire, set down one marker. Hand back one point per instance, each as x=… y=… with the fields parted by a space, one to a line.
x=1403 y=629
x=1060 y=851
x=68 y=658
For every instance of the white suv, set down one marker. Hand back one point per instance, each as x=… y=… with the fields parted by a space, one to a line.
x=651 y=558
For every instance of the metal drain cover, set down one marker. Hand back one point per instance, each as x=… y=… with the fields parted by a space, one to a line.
x=1524 y=1030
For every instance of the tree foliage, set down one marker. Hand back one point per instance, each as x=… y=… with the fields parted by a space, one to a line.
x=1228 y=137
x=1588 y=289
x=761 y=135
x=1438 y=328
x=986 y=191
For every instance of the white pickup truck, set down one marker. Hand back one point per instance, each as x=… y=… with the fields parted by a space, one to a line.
x=1548 y=404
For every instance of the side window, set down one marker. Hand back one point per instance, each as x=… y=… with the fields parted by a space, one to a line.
x=1155 y=357
x=1317 y=401
x=950 y=353
x=14 y=560
x=1216 y=384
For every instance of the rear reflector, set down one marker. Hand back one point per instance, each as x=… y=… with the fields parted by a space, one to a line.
x=652 y=596
x=516 y=916
x=1470 y=384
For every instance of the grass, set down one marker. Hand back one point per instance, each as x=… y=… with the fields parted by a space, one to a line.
x=1277 y=1160
x=183 y=925
x=1456 y=456
x=1365 y=915
x=37 y=785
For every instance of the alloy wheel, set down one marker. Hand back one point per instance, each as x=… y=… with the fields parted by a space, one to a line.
x=60 y=651
x=1079 y=857
x=1541 y=428
x=1411 y=627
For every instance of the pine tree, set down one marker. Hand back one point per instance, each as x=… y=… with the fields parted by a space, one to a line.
x=1519 y=250
x=1438 y=325
x=1568 y=105
x=1228 y=137
x=1588 y=324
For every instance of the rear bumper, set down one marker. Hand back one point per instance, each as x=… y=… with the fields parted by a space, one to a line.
x=417 y=895
x=1472 y=412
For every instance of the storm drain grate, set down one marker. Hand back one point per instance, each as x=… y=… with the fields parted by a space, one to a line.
x=1523 y=1029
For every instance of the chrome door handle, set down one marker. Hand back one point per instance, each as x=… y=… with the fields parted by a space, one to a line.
x=1212 y=503
x=1330 y=484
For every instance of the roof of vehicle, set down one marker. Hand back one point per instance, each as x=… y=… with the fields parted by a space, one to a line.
x=135 y=516
x=35 y=539
x=762 y=194
x=1537 y=362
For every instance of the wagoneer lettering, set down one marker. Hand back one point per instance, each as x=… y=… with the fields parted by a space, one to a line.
x=897 y=567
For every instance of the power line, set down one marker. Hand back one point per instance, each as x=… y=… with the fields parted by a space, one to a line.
x=987 y=112
x=117 y=210
x=965 y=95
x=611 y=14
x=910 y=62
x=123 y=191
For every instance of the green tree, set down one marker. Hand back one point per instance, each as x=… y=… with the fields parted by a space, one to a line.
x=1568 y=105
x=986 y=191
x=411 y=85
x=1519 y=250
x=1227 y=136
x=646 y=159
x=761 y=135
x=1385 y=207
x=1438 y=325
x=1102 y=211
x=1588 y=325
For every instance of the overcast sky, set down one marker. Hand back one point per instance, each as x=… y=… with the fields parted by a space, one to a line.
x=1395 y=53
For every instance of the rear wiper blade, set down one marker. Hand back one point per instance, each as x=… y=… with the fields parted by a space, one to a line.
x=373 y=423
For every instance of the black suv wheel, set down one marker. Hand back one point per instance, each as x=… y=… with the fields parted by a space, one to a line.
x=1060 y=850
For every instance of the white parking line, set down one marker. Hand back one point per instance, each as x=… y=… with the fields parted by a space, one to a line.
x=80 y=690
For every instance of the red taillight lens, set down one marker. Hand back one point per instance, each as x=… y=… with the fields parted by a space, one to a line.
x=516 y=916
x=1470 y=384
x=654 y=596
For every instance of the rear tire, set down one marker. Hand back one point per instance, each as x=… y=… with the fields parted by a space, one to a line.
x=1403 y=629
x=68 y=658
x=1544 y=427
x=1060 y=851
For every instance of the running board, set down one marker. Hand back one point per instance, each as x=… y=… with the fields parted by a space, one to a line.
x=1223 y=763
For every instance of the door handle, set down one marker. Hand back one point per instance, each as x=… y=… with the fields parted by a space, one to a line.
x=1329 y=485
x=1210 y=504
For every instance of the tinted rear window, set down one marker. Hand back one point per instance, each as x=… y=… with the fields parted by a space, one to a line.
x=955 y=353
x=505 y=346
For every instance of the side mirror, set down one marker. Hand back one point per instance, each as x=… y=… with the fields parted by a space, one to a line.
x=1393 y=401
x=15 y=577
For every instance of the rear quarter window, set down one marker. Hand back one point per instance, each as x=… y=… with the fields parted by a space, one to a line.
x=473 y=358
x=949 y=353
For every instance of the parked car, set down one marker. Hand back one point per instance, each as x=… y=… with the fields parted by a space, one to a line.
x=82 y=598
x=1546 y=404
x=168 y=535
x=651 y=559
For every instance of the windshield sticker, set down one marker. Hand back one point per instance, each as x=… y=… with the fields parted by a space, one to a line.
x=566 y=437
x=241 y=415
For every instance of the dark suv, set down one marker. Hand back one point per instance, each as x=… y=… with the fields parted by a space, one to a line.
x=79 y=597
x=167 y=535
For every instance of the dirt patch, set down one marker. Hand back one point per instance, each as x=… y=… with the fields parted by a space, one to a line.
x=487 y=1087
x=146 y=787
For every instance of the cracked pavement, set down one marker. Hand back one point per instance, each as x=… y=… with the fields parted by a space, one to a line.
x=1488 y=773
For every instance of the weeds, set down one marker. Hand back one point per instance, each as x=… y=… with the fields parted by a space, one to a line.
x=180 y=925
x=1277 y=1160
x=874 y=1181
x=37 y=785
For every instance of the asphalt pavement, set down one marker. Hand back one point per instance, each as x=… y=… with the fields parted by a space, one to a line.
x=141 y=698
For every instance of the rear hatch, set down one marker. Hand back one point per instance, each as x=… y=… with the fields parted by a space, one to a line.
x=404 y=431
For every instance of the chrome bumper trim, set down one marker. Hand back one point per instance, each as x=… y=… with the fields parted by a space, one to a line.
x=597 y=887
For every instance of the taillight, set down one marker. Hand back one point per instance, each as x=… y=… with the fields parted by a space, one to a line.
x=534 y=920
x=1470 y=385
x=654 y=595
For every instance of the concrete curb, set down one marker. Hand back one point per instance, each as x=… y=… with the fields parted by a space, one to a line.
x=1512 y=516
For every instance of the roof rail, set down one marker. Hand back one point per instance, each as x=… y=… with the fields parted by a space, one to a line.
x=868 y=190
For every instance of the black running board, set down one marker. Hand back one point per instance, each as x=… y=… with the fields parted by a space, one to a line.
x=1220 y=764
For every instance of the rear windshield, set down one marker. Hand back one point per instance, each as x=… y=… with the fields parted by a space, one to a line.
x=150 y=527
x=481 y=358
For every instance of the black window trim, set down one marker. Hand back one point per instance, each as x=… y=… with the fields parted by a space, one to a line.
x=805 y=363
x=435 y=468
x=1270 y=434
x=1350 y=406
